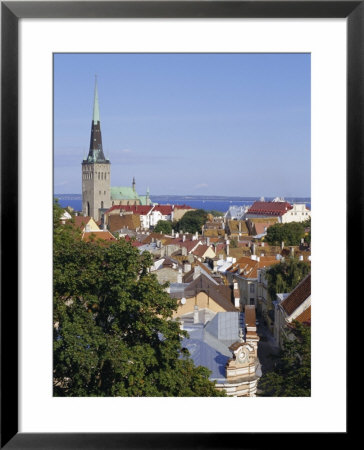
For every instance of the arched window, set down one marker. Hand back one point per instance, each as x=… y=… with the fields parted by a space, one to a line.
x=88 y=209
x=98 y=175
x=102 y=205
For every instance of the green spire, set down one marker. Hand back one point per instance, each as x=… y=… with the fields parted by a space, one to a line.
x=96 y=115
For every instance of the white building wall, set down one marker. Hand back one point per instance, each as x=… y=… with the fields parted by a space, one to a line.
x=299 y=213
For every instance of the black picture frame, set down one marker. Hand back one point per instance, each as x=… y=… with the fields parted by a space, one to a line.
x=11 y=12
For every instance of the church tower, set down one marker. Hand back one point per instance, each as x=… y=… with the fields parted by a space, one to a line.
x=95 y=170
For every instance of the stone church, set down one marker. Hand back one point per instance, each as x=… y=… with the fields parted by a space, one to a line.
x=97 y=194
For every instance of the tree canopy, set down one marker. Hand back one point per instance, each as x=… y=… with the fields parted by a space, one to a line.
x=292 y=374
x=113 y=333
x=286 y=275
x=290 y=233
x=163 y=226
x=192 y=221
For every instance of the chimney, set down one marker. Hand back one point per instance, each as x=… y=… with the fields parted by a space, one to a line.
x=300 y=258
x=181 y=232
x=196 y=272
x=177 y=235
x=239 y=226
x=172 y=233
x=282 y=245
x=179 y=276
x=195 y=314
x=227 y=247
x=214 y=263
x=291 y=251
x=183 y=238
x=186 y=267
x=208 y=241
x=253 y=249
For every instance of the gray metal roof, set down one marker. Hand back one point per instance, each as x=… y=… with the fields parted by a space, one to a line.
x=209 y=344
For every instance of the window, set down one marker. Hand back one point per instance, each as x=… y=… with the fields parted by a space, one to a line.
x=252 y=288
x=252 y=301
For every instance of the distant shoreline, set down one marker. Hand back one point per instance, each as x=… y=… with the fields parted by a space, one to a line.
x=206 y=202
x=194 y=196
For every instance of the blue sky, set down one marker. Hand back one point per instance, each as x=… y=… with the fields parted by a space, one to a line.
x=200 y=124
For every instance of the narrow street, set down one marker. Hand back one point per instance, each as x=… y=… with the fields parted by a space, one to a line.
x=267 y=348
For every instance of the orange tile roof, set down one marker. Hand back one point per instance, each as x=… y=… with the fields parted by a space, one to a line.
x=249 y=267
x=90 y=236
x=131 y=221
x=305 y=316
x=299 y=294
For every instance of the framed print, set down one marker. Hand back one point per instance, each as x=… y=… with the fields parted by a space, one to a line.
x=32 y=33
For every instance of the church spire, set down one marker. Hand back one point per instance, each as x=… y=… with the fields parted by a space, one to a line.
x=96 y=115
x=96 y=153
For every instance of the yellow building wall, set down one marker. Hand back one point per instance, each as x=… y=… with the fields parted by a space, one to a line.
x=93 y=225
x=202 y=301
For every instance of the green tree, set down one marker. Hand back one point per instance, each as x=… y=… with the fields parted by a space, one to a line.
x=192 y=221
x=163 y=226
x=214 y=212
x=286 y=275
x=113 y=333
x=292 y=374
x=307 y=237
x=290 y=233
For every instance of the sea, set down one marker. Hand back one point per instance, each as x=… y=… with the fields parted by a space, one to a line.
x=210 y=202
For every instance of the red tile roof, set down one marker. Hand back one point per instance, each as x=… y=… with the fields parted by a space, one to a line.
x=136 y=209
x=200 y=250
x=269 y=208
x=182 y=207
x=299 y=294
x=81 y=221
x=166 y=210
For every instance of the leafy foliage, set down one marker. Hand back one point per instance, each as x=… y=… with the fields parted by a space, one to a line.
x=163 y=226
x=290 y=233
x=292 y=374
x=112 y=330
x=286 y=275
x=192 y=221
x=214 y=212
